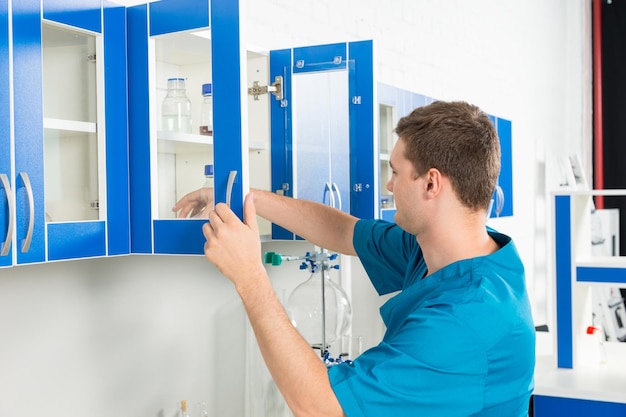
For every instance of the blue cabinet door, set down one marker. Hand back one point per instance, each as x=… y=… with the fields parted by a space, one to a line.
x=28 y=131
x=116 y=120
x=403 y=102
x=322 y=132
x=36 y=230
x=394 y=103
x=109 y=235
x=6 y=175
x=503 y=197
x=149 y=233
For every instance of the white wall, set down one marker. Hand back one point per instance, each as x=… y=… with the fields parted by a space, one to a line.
x=131 y=336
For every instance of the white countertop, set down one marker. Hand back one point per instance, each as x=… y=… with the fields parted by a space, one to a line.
x=596 y=382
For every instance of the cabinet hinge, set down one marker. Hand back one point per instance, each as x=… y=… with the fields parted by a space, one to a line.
x=276 y=88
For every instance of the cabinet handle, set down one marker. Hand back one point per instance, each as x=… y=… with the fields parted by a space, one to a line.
x=499 y=200
x=6 y=245
x=229 y=187
x=328 y=190
x=31 y=212
x=335 y=188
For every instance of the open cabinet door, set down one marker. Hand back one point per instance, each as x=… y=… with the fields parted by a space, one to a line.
x=322 y=131
x=171 y=44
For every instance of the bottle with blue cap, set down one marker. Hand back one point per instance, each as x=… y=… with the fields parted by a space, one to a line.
x=176 y=107
x=206 y=110
x=208 y=176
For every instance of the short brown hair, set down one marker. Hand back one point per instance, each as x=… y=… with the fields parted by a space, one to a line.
x=460 y=141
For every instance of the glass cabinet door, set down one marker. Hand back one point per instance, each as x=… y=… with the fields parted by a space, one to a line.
x=393 y=104
x=323 y=143
x=70 y=109
x=85 y=129
x=179 y=52
x=69 y=130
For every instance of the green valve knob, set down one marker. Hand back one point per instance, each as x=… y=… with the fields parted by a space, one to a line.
x=273 y=258
x=267 y=257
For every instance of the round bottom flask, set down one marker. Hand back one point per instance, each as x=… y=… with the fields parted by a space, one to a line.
x=320 y=320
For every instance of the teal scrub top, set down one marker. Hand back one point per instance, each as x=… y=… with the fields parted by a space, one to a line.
x=460 y=342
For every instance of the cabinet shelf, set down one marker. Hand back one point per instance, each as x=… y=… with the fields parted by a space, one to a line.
x=176 y=142
x=603 y=262
x=69 y=125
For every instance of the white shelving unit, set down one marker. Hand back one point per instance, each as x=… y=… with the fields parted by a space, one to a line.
x=583 y=376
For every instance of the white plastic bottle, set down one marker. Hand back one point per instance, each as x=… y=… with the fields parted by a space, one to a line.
x=206 y=110
x=176 y=107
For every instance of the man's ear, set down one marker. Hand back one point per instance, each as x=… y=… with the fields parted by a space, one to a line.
x=433 y=182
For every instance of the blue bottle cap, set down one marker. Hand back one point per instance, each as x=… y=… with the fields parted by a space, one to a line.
x=207 y=89
x=177 y=83
x=208 y=170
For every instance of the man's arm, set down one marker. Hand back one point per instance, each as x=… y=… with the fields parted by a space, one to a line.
x=318 y=223
x=299 y=373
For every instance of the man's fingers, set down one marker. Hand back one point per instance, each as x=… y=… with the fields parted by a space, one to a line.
x=224 y=212
x=249 y=213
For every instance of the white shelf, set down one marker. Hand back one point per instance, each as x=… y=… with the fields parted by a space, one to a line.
x=616 y=192
x=71 y=125
x=185 y=137
x=602 y=262
x=189 y=141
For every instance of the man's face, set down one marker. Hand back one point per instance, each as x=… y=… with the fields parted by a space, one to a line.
x=404 y=184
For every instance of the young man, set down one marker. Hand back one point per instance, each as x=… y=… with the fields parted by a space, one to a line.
x=460 y=337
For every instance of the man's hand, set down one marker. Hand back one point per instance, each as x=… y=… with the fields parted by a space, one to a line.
x=234 y=246
x=197 y=203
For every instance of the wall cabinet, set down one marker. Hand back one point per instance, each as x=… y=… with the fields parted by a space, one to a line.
x=64 y=137
x=320 y=116
x=395 y=103
x=323 y=143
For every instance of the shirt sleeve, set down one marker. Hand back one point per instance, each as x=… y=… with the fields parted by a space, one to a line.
x=433 y=366
x=385 y=251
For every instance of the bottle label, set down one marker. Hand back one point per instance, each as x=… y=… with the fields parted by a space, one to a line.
x=206 y=131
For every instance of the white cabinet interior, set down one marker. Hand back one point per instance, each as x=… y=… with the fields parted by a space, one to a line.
x=73 y=131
